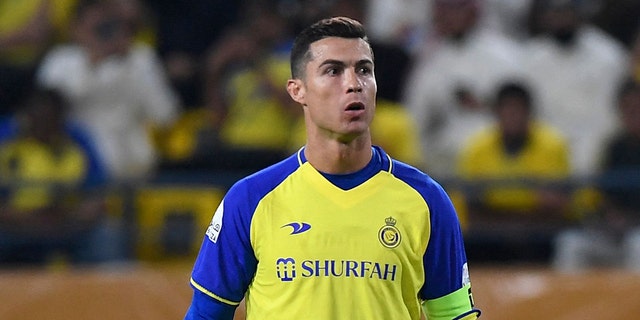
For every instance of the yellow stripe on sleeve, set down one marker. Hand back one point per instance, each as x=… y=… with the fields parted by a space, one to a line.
x=212 y=295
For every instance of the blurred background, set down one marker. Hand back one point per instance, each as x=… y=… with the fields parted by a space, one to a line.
x=123 y=123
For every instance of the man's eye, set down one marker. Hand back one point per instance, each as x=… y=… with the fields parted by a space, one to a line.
x=332 y=71
x=364 y=70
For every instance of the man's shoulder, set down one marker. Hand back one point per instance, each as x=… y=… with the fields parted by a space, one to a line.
x=548 y=134
x=415 y=177
x=430 y=189
x=265 y=180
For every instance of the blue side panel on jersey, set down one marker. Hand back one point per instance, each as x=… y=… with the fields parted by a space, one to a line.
x=445 y=255
x=226 y=268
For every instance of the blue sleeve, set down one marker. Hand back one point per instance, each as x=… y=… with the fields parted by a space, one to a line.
x=445 y=260
x=226 y=263
x=204 y=307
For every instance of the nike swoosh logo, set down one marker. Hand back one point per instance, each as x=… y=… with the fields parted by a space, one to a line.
x=298 y=227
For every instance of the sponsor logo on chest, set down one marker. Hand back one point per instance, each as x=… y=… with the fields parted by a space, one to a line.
x=290 y=268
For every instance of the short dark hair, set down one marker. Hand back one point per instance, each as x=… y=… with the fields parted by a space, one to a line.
x=516 y=89
x=341 y=27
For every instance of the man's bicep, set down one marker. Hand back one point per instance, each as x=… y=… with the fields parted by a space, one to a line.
x=447 y=288
x=226 y=263
x=445 y=260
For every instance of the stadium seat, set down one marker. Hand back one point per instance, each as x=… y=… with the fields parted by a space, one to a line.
x=170 y=221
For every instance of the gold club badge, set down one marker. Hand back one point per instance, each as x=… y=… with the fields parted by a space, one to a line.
x=389 y=235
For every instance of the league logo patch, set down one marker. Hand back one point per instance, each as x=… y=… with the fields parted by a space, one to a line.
x=389 y=235
x=216 y=224
x=465 y=275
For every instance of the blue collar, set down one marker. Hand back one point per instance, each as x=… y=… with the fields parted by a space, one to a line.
x=348 y=181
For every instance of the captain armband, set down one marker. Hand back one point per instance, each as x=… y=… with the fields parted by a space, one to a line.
x=457 y=305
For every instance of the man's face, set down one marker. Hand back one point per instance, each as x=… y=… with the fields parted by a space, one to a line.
x=338 y=91
x=453 y=19
x=513 y=117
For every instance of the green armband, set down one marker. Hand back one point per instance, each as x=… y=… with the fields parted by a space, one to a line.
x=456 y=305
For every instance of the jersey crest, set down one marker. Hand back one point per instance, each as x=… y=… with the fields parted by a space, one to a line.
x=389 y=235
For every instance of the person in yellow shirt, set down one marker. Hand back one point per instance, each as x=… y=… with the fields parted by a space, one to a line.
x=45 y=208
x=247 y=119
x=514 y=174
x=524 y=154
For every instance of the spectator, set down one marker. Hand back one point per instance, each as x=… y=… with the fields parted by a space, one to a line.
x=401 y=22
x=453 y=78
x=251 y=115
x=138 y=18
x=233 y=58
x=574 y=69
x=185 y=31
x=46 y=208
x=117 y=88
x=521 y=150
x=508 y=17
x=515 y=170
x=613 y=237
x=11 y=126
x=26 y=29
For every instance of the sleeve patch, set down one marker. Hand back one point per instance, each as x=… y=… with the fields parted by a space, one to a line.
x=465 y=275
x=216 y=224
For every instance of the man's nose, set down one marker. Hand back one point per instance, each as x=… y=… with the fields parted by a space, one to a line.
x=354 y=84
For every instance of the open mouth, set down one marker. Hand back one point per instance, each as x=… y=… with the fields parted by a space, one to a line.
x=355 y=106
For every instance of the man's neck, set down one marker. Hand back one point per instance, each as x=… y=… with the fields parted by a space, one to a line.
x=335 y=157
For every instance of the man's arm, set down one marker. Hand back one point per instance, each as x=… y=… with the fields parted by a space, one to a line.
x=447 y=290
x=205 y=307
x=457 y=305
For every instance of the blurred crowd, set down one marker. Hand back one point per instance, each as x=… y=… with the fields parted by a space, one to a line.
x=528 y=110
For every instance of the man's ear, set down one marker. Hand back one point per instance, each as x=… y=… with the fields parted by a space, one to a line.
x=296 y=90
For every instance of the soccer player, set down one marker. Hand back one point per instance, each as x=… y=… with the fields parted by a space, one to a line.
x=338 y=230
